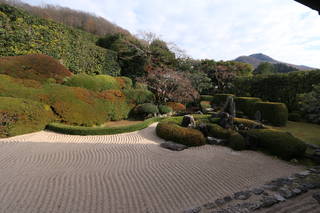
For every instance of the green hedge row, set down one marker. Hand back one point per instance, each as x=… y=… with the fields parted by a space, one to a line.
x=274 y=113
x=173 y=132
x=80 y=130
x=282 y=88
x=246 y=104
x=23 y=34
x=275 y=142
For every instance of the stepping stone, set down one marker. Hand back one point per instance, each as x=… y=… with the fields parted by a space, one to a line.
x=173 y=146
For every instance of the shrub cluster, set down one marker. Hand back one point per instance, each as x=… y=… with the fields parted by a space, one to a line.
x=206 y=98
x=145 y=110
x=139 y=96
x=176 y=107
x=217 y=131
x=279 y=143
x=20 y=116
x=186 y=136
x=310 y=104
x=205 y=105
x=237 y=142
x=163 y=109
x=272 y=112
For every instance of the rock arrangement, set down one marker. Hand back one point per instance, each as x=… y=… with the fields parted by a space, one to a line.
x=273 y=192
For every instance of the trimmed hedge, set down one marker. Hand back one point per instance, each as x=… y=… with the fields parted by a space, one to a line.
x=272 y=112
x=206 y=98
x=80 y=130
x=217 y=131
x=23 y=34
x=277 y=87
x=237 y=142
x=176 y=107
x=246 y=104
x=96 y=83
x=246 y=122
x=163 y=109
x=20 y=116
x=220 y=99
x=124 y=82
x=279 y=143
x=186 y=136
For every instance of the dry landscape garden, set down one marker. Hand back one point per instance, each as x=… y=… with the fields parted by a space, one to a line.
x=95 y=119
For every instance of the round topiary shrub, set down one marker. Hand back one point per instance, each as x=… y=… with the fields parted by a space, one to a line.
x=217 y=131
x=272 y=112
x=163 y=109
x=139 y=96
x=237 y=142
x=176 y=107
x=145 y=110
x=124 y=82
x=246 y=104
x=276 y=142
x=186 y=136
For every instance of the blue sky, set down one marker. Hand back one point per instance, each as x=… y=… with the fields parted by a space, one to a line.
x=217 y=29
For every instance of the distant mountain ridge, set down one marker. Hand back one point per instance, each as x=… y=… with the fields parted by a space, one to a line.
x=256 y=59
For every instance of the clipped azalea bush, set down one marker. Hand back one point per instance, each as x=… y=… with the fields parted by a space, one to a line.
x=173 y=132
x=176 y=107
x=92 y=82
x=217 y=131
x=124 y=82
x=20 y=116
x=163 y=109
x=139 y=96
x=206 y=98
x=34 y=67
x=205 y=105
x=276 y=142
x=272 y=112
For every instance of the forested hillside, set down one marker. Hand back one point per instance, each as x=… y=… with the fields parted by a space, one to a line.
x=22 y=34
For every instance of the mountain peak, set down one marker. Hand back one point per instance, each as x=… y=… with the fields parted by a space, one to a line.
x=258 y=58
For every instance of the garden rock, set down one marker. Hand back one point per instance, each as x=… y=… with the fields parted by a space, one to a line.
x=216 y=141
x=203 y=128
x=242 y=195
x=173 y=146
x=194 y=210
x=188 y=121
x=257 y=191
x=268 y=201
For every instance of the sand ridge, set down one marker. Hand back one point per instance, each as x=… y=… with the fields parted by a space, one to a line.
x=51 y=172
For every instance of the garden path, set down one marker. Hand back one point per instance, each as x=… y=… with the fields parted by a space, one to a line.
x=51 y=172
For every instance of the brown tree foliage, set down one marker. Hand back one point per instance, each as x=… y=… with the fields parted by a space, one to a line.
x=78 y=19
x=169 y=85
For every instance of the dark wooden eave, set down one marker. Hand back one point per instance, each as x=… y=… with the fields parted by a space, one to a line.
x=314 y=4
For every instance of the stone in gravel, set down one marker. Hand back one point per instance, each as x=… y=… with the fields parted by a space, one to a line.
x=242 y=195
x=316 y=196
x=286 y=193
x=220 y=202
x=271 y=187
x=173 y=146
x=304 y=173
x=210 y=205
x=279 y=198
x=193 y=210
x=296 y=191
x=268 y=201
x=250 y=205
x=257 y=191
x=227 y=199
x=313 y=170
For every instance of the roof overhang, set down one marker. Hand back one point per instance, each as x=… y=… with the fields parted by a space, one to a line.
x=314 y=4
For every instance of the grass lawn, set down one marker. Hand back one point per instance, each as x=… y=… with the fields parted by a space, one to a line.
x=307 y=132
